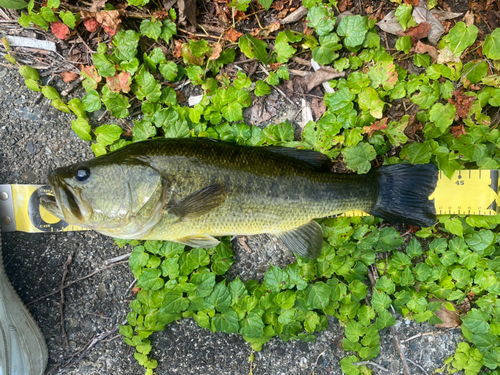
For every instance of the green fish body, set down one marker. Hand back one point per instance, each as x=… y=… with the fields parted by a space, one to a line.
x=192 y=190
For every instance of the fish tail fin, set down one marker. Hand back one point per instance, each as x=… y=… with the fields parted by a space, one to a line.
x=404 y=191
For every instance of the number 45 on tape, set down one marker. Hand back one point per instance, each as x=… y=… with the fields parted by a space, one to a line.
x=471 y=192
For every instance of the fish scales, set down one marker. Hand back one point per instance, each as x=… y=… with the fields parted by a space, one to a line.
x=267 y=192
x=190 y=190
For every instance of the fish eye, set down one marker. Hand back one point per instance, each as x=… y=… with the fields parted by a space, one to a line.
x=82 y=174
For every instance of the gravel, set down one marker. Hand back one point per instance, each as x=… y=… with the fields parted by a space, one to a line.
x=35 y=138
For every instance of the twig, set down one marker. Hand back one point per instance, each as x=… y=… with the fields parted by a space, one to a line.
x=72 y=86
x=117 y=259
x=40 y=94
x=103 y=115
x=244 y=61
x=75 y=281
x=277 y=88
x=399 y=348
x=198 y=35
x=416 y=364
x=61 y=305
x=421 y=335
x=317 y=359
x=130 y=287
x=370 y=363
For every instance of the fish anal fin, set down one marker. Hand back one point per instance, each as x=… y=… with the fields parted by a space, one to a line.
x=200 y=202
x=203 y=240
x=306 y=240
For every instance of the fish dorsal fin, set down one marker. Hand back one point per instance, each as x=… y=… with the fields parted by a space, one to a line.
x=204 y=240
x=200 y=202
x=315 y=159
x=306 y=240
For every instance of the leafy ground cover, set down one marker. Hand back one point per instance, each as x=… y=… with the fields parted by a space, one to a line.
x=431 y=97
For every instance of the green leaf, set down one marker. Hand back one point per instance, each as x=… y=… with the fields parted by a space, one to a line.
x=275 y=279
x=50 y=93
x=385 y=319
x=98 y=149
x=150 y=279
x=358 y=157
x=143 y=130
x=317 y=295
x=354 y=29
x=321 y=18
x=69 y=19
x=151 y=28
x=146 y=87
x=169 y=71
x=107 y=134
x=104 y=67
x=31 y=84
x=404 y=44
x=174 y=303
x=126 y=43
x=262 y=88
x=476 y=321
x=29 y=73
x=369 y=101
x=380 y=301
x=168 y=30
x=253 y=47
x=491 y=45
x=13 y=4
x=403 y=14
x=252 y=326
x=460 y=37
x=326 y=52
x=442 y=115
x=82 y=129
x=226 y=322
x=416 y=153
x=197 y=258
x=266 y=4
x=220 y=297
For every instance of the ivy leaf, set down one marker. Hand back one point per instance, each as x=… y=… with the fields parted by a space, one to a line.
x=442 y=115
x=416 y=153
x=275 y=279
x=321 y=18
x=317 y=295
x=107 y=134
x=91 y=101
x=143 y=130
x=476 y=321
x=326 y=52
x=253 y=47
x=380 y=301
x=168 y=30
x=262 y=88
x=82 y=129
x=491 y=46
x=358 y=157
x=220 y=298
x=174 y=303
x=126 y=43
x=151 y=28
x=460 y=37
x=146 y=87
x=252 y=326
x=403 y=14
x=169 y=70
x=354 y=29
x=68 y=18
x=150 y=279
x=369 y=100
x=226 y=322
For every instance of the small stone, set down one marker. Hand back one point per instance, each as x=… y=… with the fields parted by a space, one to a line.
x=303 y=362
x=31 y=148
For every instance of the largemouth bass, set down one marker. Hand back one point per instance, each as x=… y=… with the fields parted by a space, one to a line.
x=192 y=190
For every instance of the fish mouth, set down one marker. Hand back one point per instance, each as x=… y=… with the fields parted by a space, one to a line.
x=63 y=204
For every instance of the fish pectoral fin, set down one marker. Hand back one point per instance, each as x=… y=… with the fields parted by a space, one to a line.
x=205 y=241
x=306 y=240
x=200 y=202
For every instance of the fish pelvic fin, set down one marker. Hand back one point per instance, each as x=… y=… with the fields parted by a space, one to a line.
x=306 y=240
x=404 y=191
x=205 y=241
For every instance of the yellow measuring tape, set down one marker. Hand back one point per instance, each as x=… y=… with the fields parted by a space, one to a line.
x=470 y=192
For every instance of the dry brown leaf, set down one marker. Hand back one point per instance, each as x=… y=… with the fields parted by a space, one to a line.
x=378 y=125
x=91 y=24
x=232 y=35
x=265 y=31
x=411 y=2
x=413 y=126
x=418 y=32
x=318 y=107
x=423 y=48
x=275 y=66
x=60 y=30
x=136 y=289
x=110 y=20
x=97 y=5
x=119 y=82
x=187 y=11
x=450 y=318
x=217 y=49
x=458 y=130
x=68 y=76
x=320 y=76
x=177 y=48
x=343 y=5
x=278 y=5
x=462 y=103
